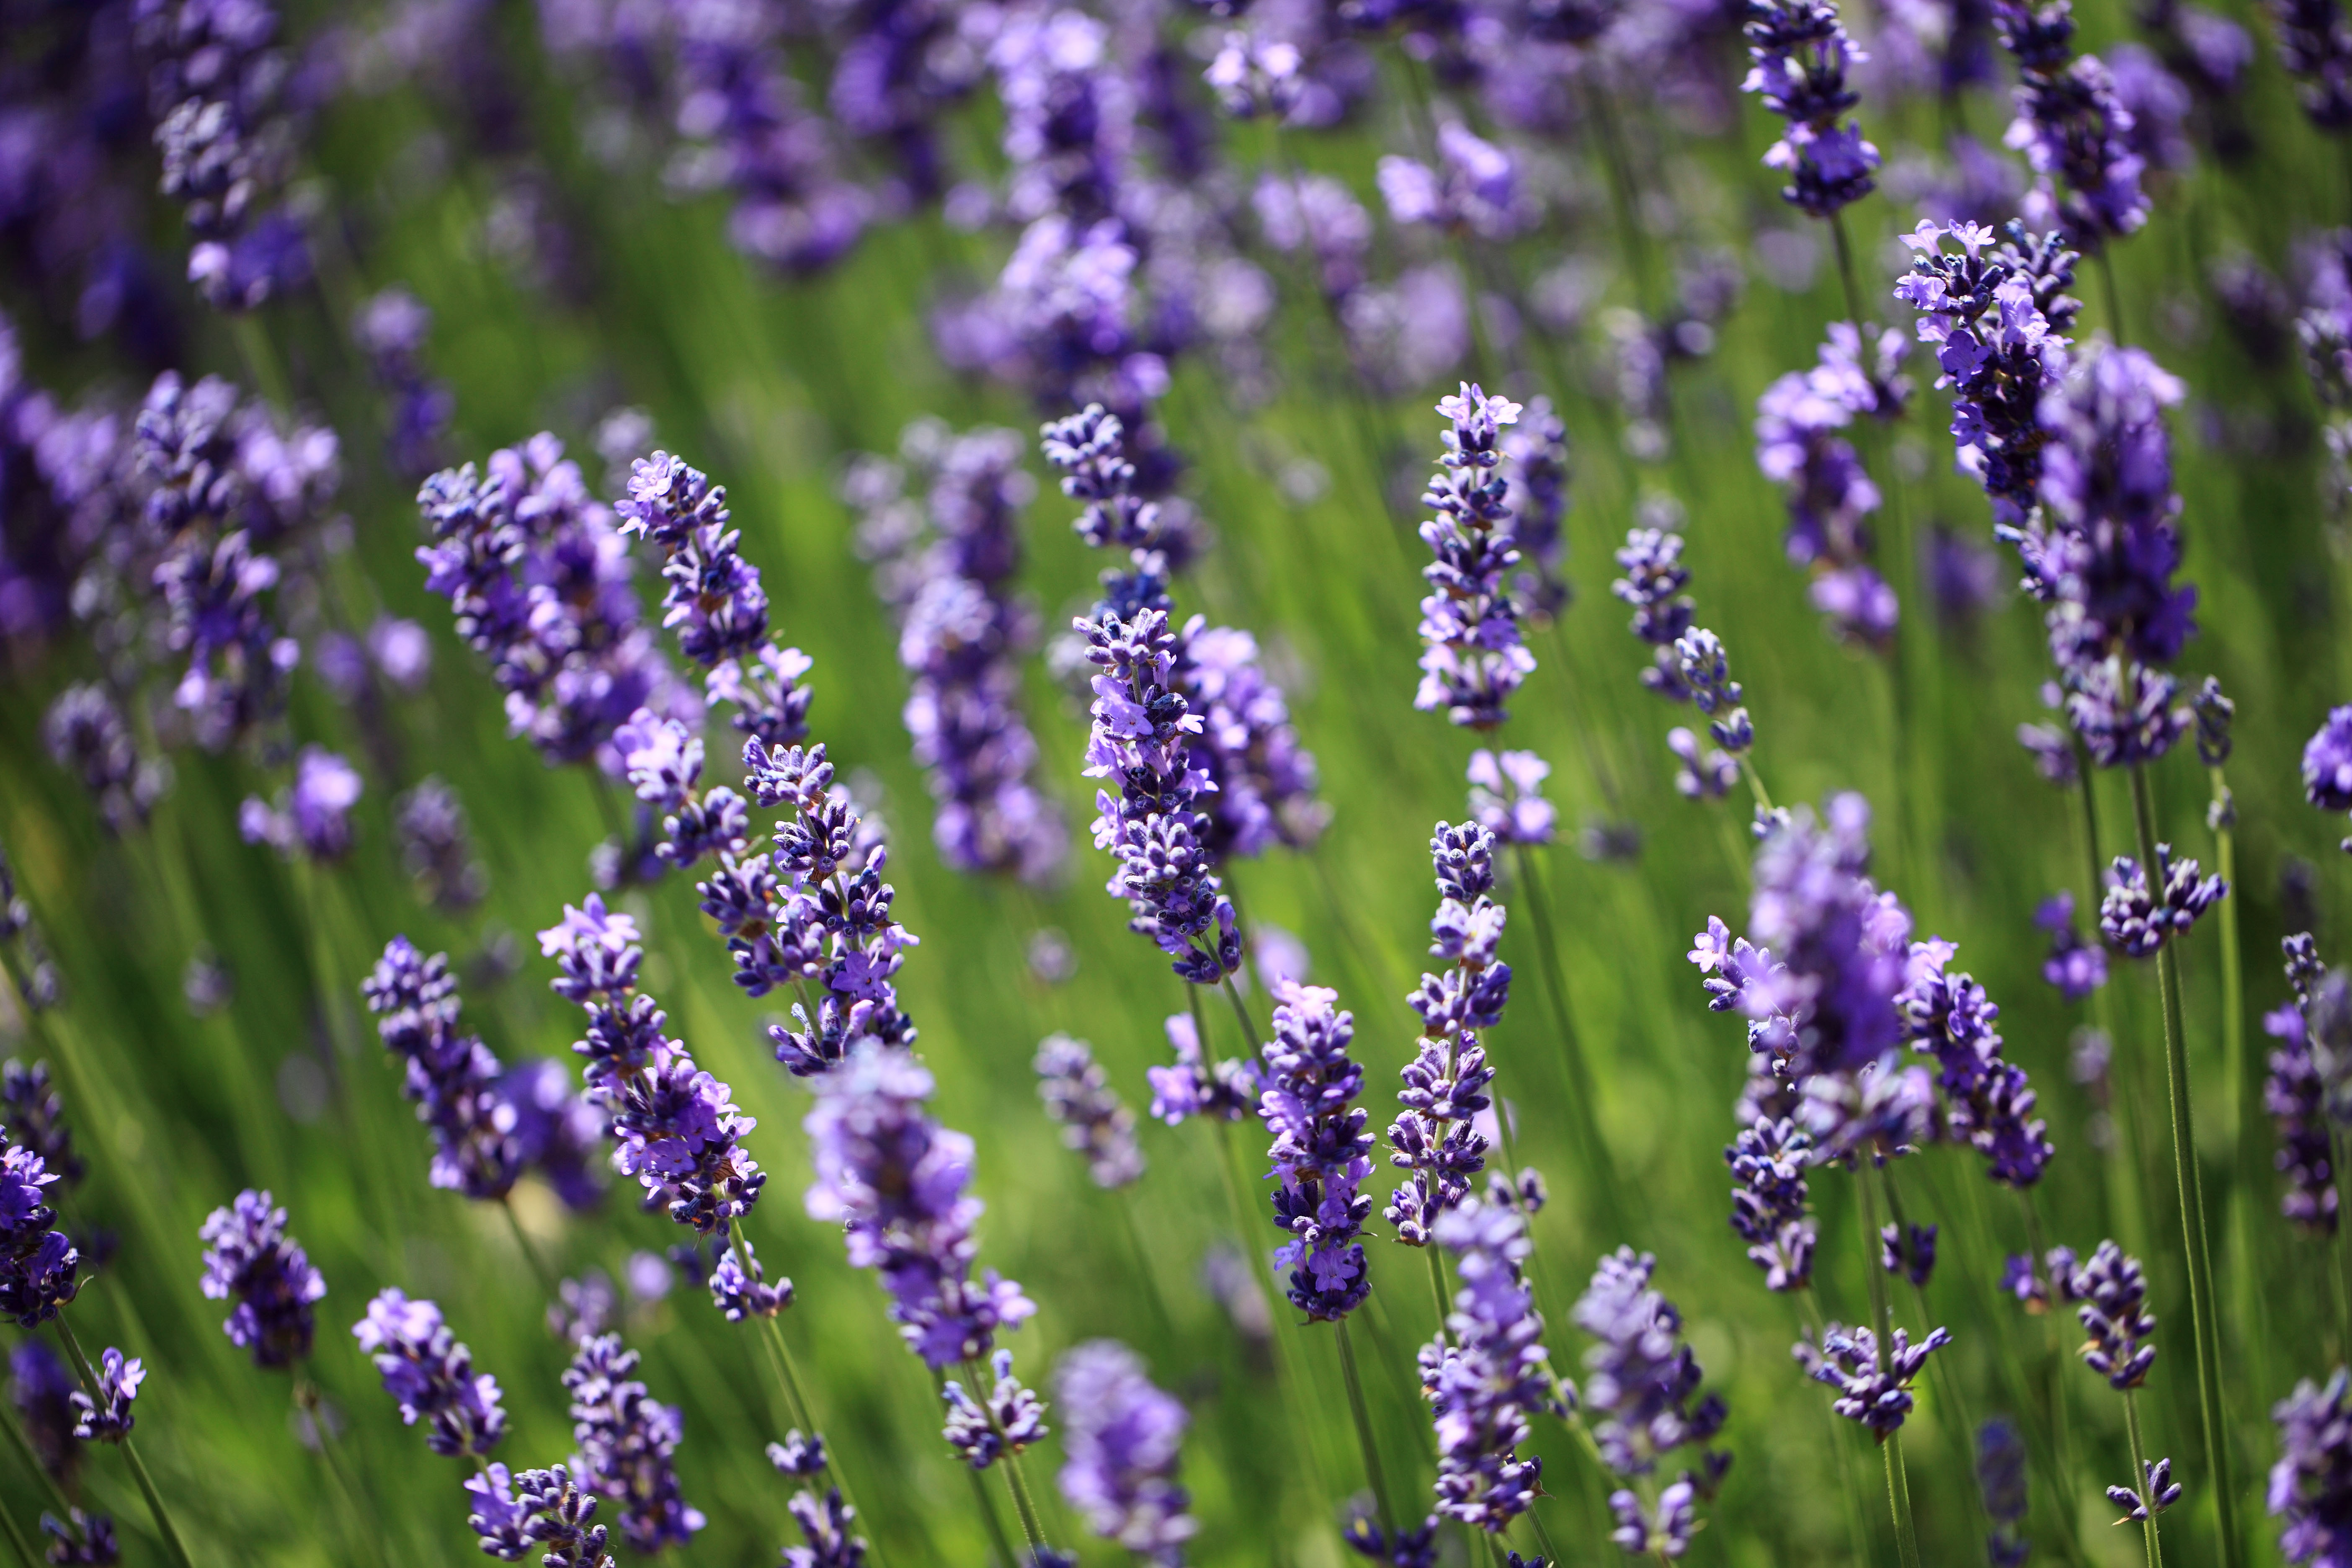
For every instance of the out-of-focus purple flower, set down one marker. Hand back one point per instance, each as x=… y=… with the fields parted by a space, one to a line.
x=1318 y=216
x=2071 y=127
x=897 y=1182
x=2000 y=1478
x=33 y=1113
x=1908 y=1250
x=2311 y=1483
x=2295 y=1092
x=1093 y=1121
x=1123 y=1437
x=1874 y=1389
x=80 y=1539
x=1709 y=775
x=1641 y=1395
x=625 y=1441
x=1322 y=1153
x=430 y=1376
x=962 y=630
x=402 y=651
x=430 y=824
x=2074 y=966
x=2156 y=105
x=1475 y=658
x=86 y=735
x=2136 y=922
x=1987 y=1103
x=1768 y=1162
x=1011 y=1409
x=2327 y=763
x=453 y=1076
x=249 y=1257
x=2316 y=46
x=1830 y=495
x=41 y=1390
x=1800 y=54
x=105 y=1410
x=1506 y=796
x=1489 y=1373
x=314 y=815
x=389 y=330
x=1535 y=467
x=1226 y=1090
x=1474 y=190
x=1437 y=1137
x=1963 y=578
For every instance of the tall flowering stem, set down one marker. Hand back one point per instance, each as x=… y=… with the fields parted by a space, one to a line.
x=1473 y=657
x=164 y=1526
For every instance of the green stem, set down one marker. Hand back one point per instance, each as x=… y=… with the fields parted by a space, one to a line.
x=1899 y=1494
x=1755 y=782
x=2115 y=295
x=307 y=1399
x=2191 y=1184
x=1437 y=1291
x=1597 y=1162
x=539 y=1268
x=23 y=1548
x=1363 y=1418
x=130 y=1451
x=1002 y=1542
x=1543 y=1537
x=1251 y=1039
x=1844 y=247
x=1882 y=1316
x=2140 y=1483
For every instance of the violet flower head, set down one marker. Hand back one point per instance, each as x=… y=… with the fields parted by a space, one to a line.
x=2136 y=921
x=1830 y=496
x=2296 y=1098
x=1801 y=54
x=898 y=1183
x=1987 y=1103
x=105 y=1411
x=453 y=1076
x=1487 y=1380
x=1642 y=1401
x=2074 y=966
x=1322 y=1153
x=1094 y=1121
x=1473 y=657
x=86 y=736
x=1475 y=188
x=1226 y=1090
x=1091 y=449
x=2001 y=1480
x=40 y=1390
x=80 y=1539
x=1506 y=796
x=2160 y=1492
x=1767 y=1160
x=625 y=1442
x=1654 y=578
x=1705 y=670
x=2111 y=1297
x=314 y=815
x=389 y=330
x=1535 y=467
x=740 y=1287
x=1436 y=1138
x=973 y=1429
x=1263 y=782
x=1873 y=1390
x=2316 y=47
x=1123 y=1437
x=430 y=1376
x=2311 y=1482
x=1700 y=774
x=38 y=1266
x=2327 y=763
x=2215 y=713
x=250 y=1259
x=2071 y=126
x=33 y=1113
x=436 y=848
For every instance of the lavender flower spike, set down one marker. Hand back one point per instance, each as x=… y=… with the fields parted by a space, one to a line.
x=1801 y=54
x=2071 y=126
x=1437 y=1138
x=2311 y=1483
x=625 y=1442
x=1873 y=1390
x=1768 y=1162
x=2316 y=46
x=1653 y=582
x=106 y=1418
x=251 y=1258
x=38 y=1265
x=1638 y=1393
x=2137 y=920
x=1123 y=1435
x=2295 y=1093
x=2112 y=1297
x=430 y=1376
x=972 y=1427
x=1322 y=1153
x=2327 y=764
x=1493 y=1375
x=1474 y=659
x=1078 y=1095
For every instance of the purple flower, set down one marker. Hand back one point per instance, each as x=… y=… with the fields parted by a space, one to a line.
x=1638 y=1395
x=1122 y=1435
x=35 y=1114
x=1489 y=1372
x=2000 y=1478
x=2160 y=1493
x=896 y=1181
x=1078 y=1096
x=1227 y=1091
x=105 y=1411
x=1768 y=1160
x=452 y=1077
x=315 y=815
x=1322 y=1153
x=81 y=1540
x=1535 y=465
x=2316 y=46
x=2311 y=1483
x=1474 y=190
x=41 y=1390
x=391 y=329
x=1474 y=657
x=502 y=1524
x=38 y=1264
x=86 y=735
x=1830 y=498
x=1873 y=1390
x=2136 y=922
x=738 y=1287
x=1802 y=55
x=430 y=822
x=1437 y=1138
x=972 y=1429
x=250 y=1259
x=1506 y=796
x=2074 y=966
x=1705 y=669
x=2111 y=1297
x=1987 y=1103
x=625 y=1442
x=1652 y=584
x=1709 y=775
x=430 y=1376
x=2327 y=763
x=2071 y=126
x=2296 y=1090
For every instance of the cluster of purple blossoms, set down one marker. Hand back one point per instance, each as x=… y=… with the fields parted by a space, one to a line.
x=824 y=1520
x=2110 y=1296
x=1830 y=496
x=1320 y=1152
x=1987 y=1103
x=1768 y=1160
x=38 y=1264
x=1506 y=796
x=1437 y=1139
x=389 y=330
x=216 y=89
x=1873 y=1385
x=2311 y=1483
x=40 y=1390
x=1078 y=1096
x=2136 y=919
x=2071 y=127
x=2103 y=552
x=674 y=1127
x=35 y=1113
x=2327 y=764
x=104 y=1414
x=1489 y=1372
x=250 y=1259
x=430 y=1376
x=1995 y=315
x=1655 y=578
x=625 y=1442
x=489 y=1124
x=1473 y=657
x=897 y=1183
x=1641 y=1381
x=429 y=821
x=1801 y=54
x=1226 y=1090
x=86 y=735
x=1011 y=1419
x=662 y=760
x=2000 y=1479
x=1474 y=189
x=2296 y=1091
x=814 y=910
x=1535 y=467
x=1141 y=737
x=80 y=1539
x=1123 y=1435
x=539 y=579
x=2076 y=967
x=542 y=1511
x=946 y=569
x=312 y=816
x=2316 y=46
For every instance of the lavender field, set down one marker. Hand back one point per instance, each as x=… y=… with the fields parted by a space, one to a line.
x=885 y=783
